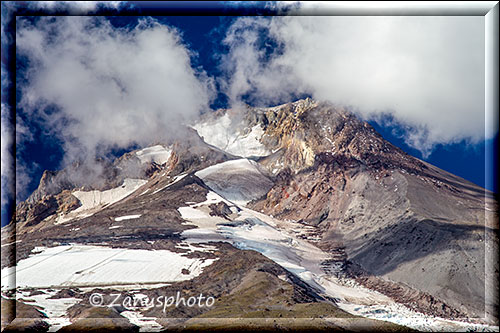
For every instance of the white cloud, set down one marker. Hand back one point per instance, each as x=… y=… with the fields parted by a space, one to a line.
x=6 y=163
x=112 y=87
x=427 y=71
x=6 y=139
x=77 y=6
x=247 y=71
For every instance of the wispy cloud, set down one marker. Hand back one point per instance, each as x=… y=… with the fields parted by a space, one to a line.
x=98 y=87
x=77 y=7
x=7 y=166
x=95 y=87
x=8 y=10
x=427 y=71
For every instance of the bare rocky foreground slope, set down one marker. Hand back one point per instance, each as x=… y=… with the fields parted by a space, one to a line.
x=294 y=216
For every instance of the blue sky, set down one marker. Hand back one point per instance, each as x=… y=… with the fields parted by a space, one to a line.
x=418 y=80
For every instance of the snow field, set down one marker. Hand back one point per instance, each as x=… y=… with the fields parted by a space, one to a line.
x=264 y=234
x=158 y=154
x=93 y=200
x=239 y=181
x=221 y=134
x=85 y=265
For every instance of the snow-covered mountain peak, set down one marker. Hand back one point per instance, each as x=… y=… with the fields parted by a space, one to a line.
x=296 y=210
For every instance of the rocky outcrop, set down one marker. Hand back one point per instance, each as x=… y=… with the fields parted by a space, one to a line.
x=220 y=209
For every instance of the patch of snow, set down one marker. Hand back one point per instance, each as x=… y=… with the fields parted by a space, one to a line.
x=196 y=248
x=283 y=277
x=239 y=181
x=399 y=314
x=7 y=244
x=8 y=278
x=176 y=179
x=223 y=135
x=199 y=214
x=91 y=201
x=129 y=287
x=158 y=154
x=38 y=249
x=127 y=217
x=55 y=309
x=146 y=324
x=115 y=227
x=85 y=265
x=190 y=213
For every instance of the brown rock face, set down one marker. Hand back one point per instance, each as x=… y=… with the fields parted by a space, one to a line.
x=42 y=209
x=67 y=202
x=220 y=209
x=397 y=216
x=301 y=132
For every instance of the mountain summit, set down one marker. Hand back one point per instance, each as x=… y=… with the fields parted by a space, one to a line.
x=300 y=210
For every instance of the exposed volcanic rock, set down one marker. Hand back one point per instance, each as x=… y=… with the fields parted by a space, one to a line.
x=101 y=175
x=42 y=209
x=192 y=153
x=399 y=226
x=103 y=319
x=21 y=317
x=396 y=215
x=220 y=209
x=300 y=132
x=420 y=301
x=242 y=282
x=54 y=191
x=158 y=211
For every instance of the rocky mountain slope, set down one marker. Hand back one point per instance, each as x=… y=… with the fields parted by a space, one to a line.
x=294 y=211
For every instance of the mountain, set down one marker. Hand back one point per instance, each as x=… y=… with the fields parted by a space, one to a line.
x=295 y=211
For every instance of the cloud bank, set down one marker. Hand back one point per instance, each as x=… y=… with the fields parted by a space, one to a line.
x=6 y=164
x=428 y=72
x=76 y=7
x=97 y=87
